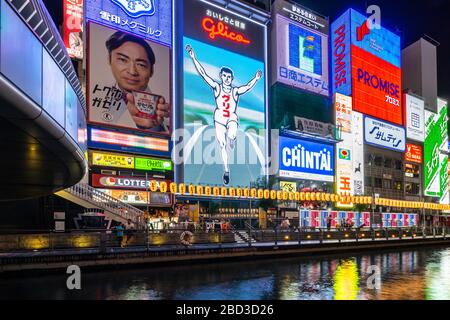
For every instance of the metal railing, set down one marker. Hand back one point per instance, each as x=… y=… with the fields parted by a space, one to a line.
x=109 y=204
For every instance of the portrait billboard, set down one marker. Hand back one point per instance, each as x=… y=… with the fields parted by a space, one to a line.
x=358 y=153
x=302 y=159
x=223 y=96
x=415 y=118
x=129 y=81
x=149 y=19
x=302 y=56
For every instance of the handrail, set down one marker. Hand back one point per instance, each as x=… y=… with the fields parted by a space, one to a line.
x=106 y=202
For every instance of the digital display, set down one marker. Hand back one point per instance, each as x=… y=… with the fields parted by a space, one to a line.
x=224 y=96
x=303 y=159
x=150 y=19
x=73 y=28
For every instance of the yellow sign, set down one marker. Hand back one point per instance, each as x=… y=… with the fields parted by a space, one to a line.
x=288 y=186
x=112 y=160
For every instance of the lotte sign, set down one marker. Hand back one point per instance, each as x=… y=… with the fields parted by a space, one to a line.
x=414 y=153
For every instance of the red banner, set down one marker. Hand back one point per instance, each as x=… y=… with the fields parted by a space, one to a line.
x=73 y=22
x=414 y=153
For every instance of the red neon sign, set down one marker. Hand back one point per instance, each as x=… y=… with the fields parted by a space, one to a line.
x=222 y=30
x=362 y=31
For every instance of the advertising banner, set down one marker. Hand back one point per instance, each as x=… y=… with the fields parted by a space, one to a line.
x=377 y=86
x=302 y=56
x=224 y=96
x=288 y=186
x=414 y=153
x=112 y=160
x=303 y=159
x=341 y=55
x=358 y=153
x=73 y=28
x=344 y=156
x=129 y=81
x=142 y=198
x=384 y=135
x=123 y=142
x=316 y=128
x=443 y=159
x=149 y=164
x=415 y=118
x=150 y=19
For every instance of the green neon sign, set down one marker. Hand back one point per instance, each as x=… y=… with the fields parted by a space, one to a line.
x=150 y=164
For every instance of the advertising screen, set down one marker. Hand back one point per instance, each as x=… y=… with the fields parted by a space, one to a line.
x=415 y=118
x=303 y=159
x=377 y=86
x=384 y=135
x=414 y=153
x=73 y=28
x=124 y=142
x=302 y=56
x=341 y=56
x=358 y=153
x=150 y=19
x=345 y=154
x=129 y=81
x=224 y=96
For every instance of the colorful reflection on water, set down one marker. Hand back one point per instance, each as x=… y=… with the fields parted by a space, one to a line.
x=415 y=274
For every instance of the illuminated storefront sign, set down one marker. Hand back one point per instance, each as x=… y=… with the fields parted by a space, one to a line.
x=302 y=49
x=358 y=153
x=415 y=118
x=72 y=28
x=306 y=160
x=414 y=153
x=146 y=18
x=140 y=197
x=345 y=154
x=113 y=182
x=152 y=164
x=385 y=135
x=222 y=51
x=288 y=186
x=118 y=141
x=316 y=128
x=112 y=160
x=368 y=68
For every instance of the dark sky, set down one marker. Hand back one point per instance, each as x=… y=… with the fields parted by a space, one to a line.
x=409 y=18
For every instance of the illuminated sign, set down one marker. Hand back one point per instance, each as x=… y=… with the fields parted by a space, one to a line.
x=366 y=65
x=415 y=118
x=73 y=34
x=118 y=141
x=345 y=154
x=376 y=87
x=302 y=48
x=146 y=18
x=112 y=182
x=385 y=135
x=223 y=95
x=152 y=164
x=136 y=197
x=112 y=160
x=414 y=153
x=288 y=186
x=316 y=128
x=306 y=160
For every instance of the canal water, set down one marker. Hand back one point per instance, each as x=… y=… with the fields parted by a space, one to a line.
x=418 y=274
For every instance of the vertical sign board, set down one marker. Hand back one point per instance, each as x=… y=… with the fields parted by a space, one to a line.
x=302 y=48
x=72 y=28
x=341 y=59
x=223 y=95
x=414 y=118
x=358 y=153
x=443 y=128
x=129 y=64
x=344 y=155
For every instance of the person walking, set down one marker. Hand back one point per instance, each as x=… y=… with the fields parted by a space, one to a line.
x=119 y=234
x=329 y=220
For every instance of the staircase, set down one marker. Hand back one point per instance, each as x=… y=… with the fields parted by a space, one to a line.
x=242 y=237
x=90 y=198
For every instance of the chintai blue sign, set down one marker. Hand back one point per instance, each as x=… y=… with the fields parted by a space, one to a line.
x=304 y=159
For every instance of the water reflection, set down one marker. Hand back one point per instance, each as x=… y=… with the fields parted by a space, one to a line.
x=417 y=274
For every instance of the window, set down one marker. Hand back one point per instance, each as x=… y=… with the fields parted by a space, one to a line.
x=398 y=165
x=387 y=184
x=368 y=181
x=398 y=185
x=388 y=163
x=378 y=183
x=412 y=188
x=378 y=161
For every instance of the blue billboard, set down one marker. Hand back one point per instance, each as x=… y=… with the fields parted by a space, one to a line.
x=341 y=65
x=302 y=159
x=148 y=19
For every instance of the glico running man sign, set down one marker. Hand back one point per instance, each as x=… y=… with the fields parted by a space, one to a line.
x=223 y=96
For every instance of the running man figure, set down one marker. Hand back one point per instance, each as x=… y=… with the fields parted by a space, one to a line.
x=226 y=120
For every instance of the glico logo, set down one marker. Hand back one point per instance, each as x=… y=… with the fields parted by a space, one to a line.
x=377 y=83
x=222 y=30
x=136 y=8
x=299 y=157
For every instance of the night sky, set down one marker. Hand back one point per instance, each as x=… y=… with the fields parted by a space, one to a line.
x=411 y=19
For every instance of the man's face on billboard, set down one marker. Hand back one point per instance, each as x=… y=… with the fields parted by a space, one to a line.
x=227 y=78
x=131 y=67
